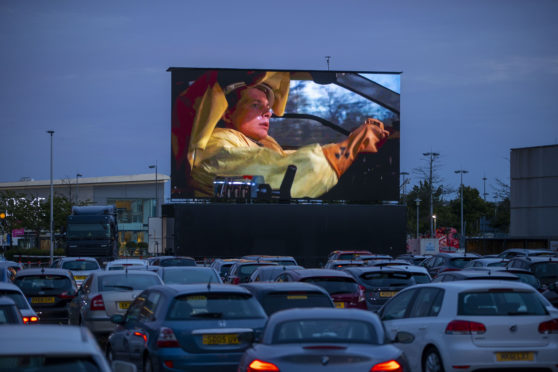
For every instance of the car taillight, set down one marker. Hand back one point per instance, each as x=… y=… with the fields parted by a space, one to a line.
x=464 y=327
x=167 y=338
x=260 y=365
x=97 y=303
x=391 y=366
x=361 y=293
x=30 y=319
x=550 y=326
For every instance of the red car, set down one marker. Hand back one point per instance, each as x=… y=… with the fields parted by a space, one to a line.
x=342 y=287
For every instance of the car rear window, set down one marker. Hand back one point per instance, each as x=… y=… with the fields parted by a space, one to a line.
x=177 y=262
x=59 y=363
x=126 y=282
x=545 y=270
x=80 y=265
x=461 y=262
x=215 y=305
x=421 y=278
x=387 y=279
x=247 y=270
x=190 y=276
x=32 y=284
x=326 y=331
x=16 y=297
x=500 y=302
x=273 y=302
x=334 y=285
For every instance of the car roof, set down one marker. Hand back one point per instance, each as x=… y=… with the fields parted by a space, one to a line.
x=43 y=271
x=457 y=255
x=10 y=286
x=77 y=259
x=539 y=259
x=308 y=273
x=127 y=260
x=181 y=289
x=396 y=268
x=481 y=273
x=124 y=272
x=44 y=339
x=186 y=268
x=463 y=285
x=6 y=301
x=269 y=287
x=321 y=312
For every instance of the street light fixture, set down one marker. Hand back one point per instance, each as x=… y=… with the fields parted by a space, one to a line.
x=417 y=200
x=77 y=187
x=434 y=218
x=432 y=156
x=461 y=172
x=51 y=132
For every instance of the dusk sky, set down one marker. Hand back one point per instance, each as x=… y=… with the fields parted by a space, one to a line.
x=478 y=77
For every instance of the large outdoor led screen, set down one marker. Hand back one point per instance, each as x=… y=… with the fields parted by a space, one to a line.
x=308 y=111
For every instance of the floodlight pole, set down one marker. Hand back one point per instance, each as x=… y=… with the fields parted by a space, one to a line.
x=51 y=132
x=417 y=200
x=432 y=155
x=462 y=233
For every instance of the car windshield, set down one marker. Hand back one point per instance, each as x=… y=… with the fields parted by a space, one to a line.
x=80 y=265
x=126 y=282
x=215 y=305
x=46 y=284
x=461 y=262
x=387 y=279
x=273 y=302
x=326 y=331
x=48 y=363
x=500 y=302
x=88 y=231
x=177 y=262
x=190 y=276
x=421 y=278
x=16 y=297
x=334 y=285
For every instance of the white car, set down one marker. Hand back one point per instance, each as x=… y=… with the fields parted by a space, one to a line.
x=53 y=348
x=80 y=267
x=127 y=263
x=470 y=325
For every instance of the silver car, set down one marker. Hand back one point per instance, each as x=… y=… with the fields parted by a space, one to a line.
x=106 y=293
x=80 y=267
x=14 y=292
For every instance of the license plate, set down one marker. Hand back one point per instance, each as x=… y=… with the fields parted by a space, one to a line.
x=339 y=305
x=515 y=356
x=42 y=300
x=220 y=339
x=123 y=305
x=80 y=277
x=387 y=294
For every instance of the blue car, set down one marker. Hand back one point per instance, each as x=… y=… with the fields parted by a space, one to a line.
x=194 y=327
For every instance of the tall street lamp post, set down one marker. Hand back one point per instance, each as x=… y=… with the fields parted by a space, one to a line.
x=77 y=186
x=434 y=218
x=461 y=172
x=51 y=132
x=417 y=200
x=156 y=206
x=432 y=156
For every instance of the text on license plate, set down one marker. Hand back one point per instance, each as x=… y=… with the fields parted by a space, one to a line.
x=231 y=339
x=515 y=356
x=339 y=305
x=388 y=294
x=42 y=300
x=124 y=304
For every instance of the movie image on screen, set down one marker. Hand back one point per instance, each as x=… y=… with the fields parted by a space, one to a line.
x=340 y=129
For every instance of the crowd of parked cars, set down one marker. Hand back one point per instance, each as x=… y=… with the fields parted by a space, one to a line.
x=444 y=312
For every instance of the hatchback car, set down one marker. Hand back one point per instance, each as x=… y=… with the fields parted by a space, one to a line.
x=106 y=293
x=269 y=273
x=167 y=261
x=340 y=264
x=323 y=340
x=14 y=292
x=382 y=283
x=280 y=296
x=50 y=291
x=240 y=271
x=188 y=275
x=474 y=325
x=194 y=327
x=447 y=262
x=347 y=255
x=127 y=263
x=342 y=287
x=545 y=268
x=223 y=266
x=80 y=267
x=279 y=260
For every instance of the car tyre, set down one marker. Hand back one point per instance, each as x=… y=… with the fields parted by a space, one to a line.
x=432 y=362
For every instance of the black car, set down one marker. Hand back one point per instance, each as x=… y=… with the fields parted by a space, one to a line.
x=381 y=283
x=545 y=268
x=9 y=313
x=49 y=291
x=447 y=262
x=274 y=296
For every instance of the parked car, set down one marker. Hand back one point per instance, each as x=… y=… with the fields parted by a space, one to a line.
x=280 y=296
x=80 y=267
x=188 y=275
x=347 y=255
x=127 y=263
x=522 y=252
x=411 y=258
x=545 y=268
x=106 y=293
x=12 y=291
x=279 y=260
x=49 y=290
x=474 y=325
x=9 y=313
x=466 y=274
x=342 y=287
x=323 y=340
x=53 y=348
x=388 y=262
x=525 y=276
x=340 y=264
x=486 y=262
x=195 y=327
x=223 y=266
x=382 y=283
x=167 y=261
x=269 y=273
x=240 y=271
x=447 y=262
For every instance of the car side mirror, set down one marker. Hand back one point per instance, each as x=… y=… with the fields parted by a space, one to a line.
x=122 y=366
x=117 y=319
x=404 y=337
